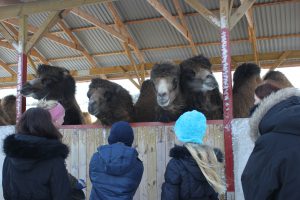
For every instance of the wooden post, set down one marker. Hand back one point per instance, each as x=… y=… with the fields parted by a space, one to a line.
x=227 y=96
x=22 y=67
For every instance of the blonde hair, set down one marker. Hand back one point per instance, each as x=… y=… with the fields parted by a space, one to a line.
x=208 y=163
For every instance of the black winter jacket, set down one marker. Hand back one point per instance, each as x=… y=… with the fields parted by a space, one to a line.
x=273 y=168
x=184 y=179
x=34 y=169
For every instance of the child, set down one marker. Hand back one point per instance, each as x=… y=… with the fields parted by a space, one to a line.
x=57 y=113
x=192 y=171
x=115 y=169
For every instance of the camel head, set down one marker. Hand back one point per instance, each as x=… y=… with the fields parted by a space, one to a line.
x=196 y=75
x=50 y=83
x=165 y=77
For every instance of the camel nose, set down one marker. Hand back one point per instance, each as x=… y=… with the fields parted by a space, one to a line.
x=92 y=105
x=162 y=95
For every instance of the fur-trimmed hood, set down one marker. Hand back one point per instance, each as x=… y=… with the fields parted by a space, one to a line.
x=181 y=152
x=25 y=150
x=279 y=112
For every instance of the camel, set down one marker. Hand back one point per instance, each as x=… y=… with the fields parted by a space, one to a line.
x=279 y=78
x=8 y=104
x=170 y=101
x=245 y=79
x=109 y=102
x=55 y=83
x=201 y=90
x=145 y=104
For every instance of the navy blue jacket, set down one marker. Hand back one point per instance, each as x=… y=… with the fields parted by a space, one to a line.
x=115 y=172
x=273 y=169
x=184 y=179
x=34 y=169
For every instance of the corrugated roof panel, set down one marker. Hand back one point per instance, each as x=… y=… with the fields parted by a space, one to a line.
x=98 y=41
x=241 y=48
x=202 y=30
x=8 y=55
x=277 y=19
x=168 y=55
x=210 y=51
x=136 y=9
x=156 y=34
x=114 y=60
x=276 y=45
x=99 y=11
x=78 y=64
x=76 y=22
x=37 y=19
x=54 y=50
x=30 y=70
x=64 y=36
x=169 y=5
x=240 y=30
x=4 y=73
x=209 y=4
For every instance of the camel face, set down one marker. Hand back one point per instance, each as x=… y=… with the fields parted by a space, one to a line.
x=51 y=83
x=166 y=90
x=199 y=79
x=98 y=100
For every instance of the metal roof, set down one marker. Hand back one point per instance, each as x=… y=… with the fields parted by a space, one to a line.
x=157 y=39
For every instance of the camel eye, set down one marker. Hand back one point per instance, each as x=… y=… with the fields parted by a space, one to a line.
x=175 y=83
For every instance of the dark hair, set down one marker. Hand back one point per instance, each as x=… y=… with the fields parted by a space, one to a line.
x=37 y=122
x=265 y=89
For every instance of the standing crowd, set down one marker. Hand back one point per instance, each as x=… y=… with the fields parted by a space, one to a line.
x=34 y=167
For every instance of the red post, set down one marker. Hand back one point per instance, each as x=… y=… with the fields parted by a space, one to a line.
x=227 y=97
x=21 y=79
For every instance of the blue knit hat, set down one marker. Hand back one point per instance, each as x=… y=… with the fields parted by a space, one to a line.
x=121 y=132
x=191 y=127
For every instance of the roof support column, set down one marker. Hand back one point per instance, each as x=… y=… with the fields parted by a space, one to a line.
x=22 y=67
x=227 y=96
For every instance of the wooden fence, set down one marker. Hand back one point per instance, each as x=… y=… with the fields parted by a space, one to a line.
x=153 y=141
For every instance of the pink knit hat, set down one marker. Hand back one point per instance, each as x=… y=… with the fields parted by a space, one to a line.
x=57 y=111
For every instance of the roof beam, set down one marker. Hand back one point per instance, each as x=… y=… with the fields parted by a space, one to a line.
x=170 y=18
x=51 y=20
x=8 y=36
x=184 y=24
x=207 y=14
x=62 y=23
x=41 y=6
x=239 y=13
x=91 y=19
x=122 y=29
x=280 y=60
x=138 y=86
x=7 y=68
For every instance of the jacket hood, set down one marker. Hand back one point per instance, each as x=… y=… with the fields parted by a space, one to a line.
x=26 y=150
x=118 y=158
x=182 y=153
x=279 y=112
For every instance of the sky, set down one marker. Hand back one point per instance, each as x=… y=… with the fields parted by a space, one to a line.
x=292 y=73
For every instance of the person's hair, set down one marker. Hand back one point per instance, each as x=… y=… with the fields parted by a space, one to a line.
x=265 y=89
x=37 y=122
x=208 y=163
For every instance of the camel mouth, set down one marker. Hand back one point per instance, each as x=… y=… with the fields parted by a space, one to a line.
x=163 y=103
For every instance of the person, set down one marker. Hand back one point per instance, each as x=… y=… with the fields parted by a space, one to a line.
x=272 y=170
x=34 y=164
x=192 y=171
x=115 y=169
x=57 y=113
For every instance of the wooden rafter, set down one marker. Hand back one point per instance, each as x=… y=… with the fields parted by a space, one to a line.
x=91 y=19
x=62 y=23
x=14 y=36
x=51 y=20
x=8 y=35
x=184 y=24
x=33 y=65
x=240 y=12
x=251 y=31
x=170 y=18
x=207 y=14
x=130 y=77
x=7 y=68
x=50 y=36
x=280 y=60
x=122 y=29
x=41 y=6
